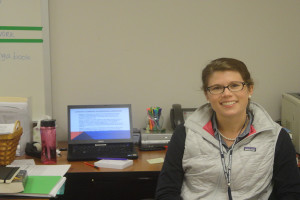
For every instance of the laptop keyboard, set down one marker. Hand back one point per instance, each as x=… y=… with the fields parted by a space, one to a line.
x=110 y=150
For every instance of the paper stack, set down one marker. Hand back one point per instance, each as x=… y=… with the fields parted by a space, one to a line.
x=115 y=164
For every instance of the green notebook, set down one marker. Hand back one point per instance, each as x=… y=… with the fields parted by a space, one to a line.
x=41 y=184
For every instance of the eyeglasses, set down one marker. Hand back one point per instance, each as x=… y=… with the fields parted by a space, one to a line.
x=233 y=87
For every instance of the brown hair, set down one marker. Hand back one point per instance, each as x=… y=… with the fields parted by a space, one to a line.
x=225 y=64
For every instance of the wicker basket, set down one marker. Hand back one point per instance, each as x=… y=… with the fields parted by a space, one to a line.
x=9 y=143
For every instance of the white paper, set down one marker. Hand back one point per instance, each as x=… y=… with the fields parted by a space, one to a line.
x=44 y=170
x=6 y=128
x=13 y=106
x=23 y=162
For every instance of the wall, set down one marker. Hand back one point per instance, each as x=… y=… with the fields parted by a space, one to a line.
x=151 y=53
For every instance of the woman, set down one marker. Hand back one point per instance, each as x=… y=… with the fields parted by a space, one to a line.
x=229 y=148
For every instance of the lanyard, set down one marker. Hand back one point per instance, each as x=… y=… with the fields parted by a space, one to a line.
x=227 y=169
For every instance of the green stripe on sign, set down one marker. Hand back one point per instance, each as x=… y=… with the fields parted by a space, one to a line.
x=27 y=28
x=21 y=40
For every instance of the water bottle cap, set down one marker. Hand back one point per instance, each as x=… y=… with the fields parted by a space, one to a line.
x=48 y=123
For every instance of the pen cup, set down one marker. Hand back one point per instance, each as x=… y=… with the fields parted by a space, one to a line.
x=154 y=124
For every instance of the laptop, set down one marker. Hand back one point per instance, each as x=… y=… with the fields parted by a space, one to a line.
x=100 y=131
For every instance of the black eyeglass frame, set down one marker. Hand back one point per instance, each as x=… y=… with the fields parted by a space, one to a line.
x=243 y=83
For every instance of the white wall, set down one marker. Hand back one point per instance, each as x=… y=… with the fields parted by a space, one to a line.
x=151 y=53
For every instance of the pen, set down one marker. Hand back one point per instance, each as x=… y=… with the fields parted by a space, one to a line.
x=91 y=165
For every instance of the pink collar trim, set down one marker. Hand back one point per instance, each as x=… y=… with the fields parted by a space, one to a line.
x=208 y=127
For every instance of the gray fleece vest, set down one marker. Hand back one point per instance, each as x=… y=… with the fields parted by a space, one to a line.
x=252 y=159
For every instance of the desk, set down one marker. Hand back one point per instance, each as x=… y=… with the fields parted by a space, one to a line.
x=135 y=182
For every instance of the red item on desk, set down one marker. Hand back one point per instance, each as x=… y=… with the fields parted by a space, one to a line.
x=91 y=165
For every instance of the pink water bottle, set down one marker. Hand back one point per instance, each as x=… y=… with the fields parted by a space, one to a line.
x=48 y=137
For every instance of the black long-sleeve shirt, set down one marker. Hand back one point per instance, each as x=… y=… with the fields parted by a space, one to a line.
x=286 y=175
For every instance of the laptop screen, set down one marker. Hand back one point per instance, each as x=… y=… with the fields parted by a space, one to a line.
x=99 y=124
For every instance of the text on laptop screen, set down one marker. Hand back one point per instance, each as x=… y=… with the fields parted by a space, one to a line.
x=99 y=123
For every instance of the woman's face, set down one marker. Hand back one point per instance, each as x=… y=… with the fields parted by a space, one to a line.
x=228 y=104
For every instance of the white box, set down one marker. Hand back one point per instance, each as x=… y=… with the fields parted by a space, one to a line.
x=115 y=164
x=17 y=108
x=290 y=116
